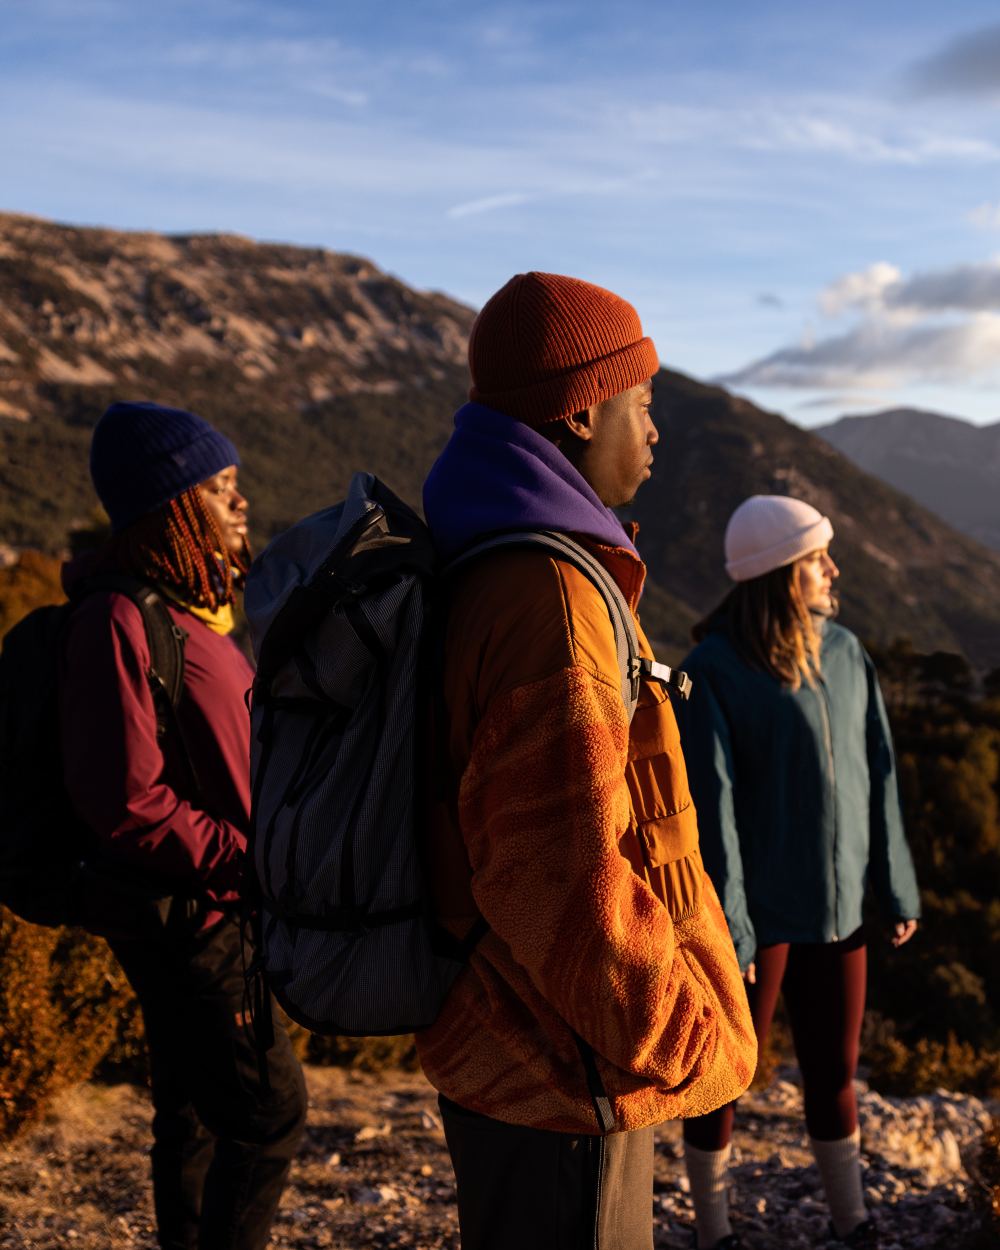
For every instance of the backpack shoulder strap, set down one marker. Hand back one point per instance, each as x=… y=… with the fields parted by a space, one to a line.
x=165 y=638
x=567 y=549
x=166 y=642
x=633 y=667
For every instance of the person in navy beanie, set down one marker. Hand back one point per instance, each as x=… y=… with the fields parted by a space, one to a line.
x=168 y=803
x=143 y=455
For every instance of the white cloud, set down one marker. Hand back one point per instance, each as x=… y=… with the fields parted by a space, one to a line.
x=938 y=326
x=489 y=204
x=838 y=400
x=986 y=216
x=874 y=140
x=876 y=355
x=863 y=133
x=881 y=289
x=252 y=53
x=354 y=158
x=322 y=67
x=866 y=289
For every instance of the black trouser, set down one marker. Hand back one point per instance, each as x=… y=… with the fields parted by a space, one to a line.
x=221 y=1148
x=531 y=1189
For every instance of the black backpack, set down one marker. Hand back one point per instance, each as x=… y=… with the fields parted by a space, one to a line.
x=51 y=868
x=338 y=607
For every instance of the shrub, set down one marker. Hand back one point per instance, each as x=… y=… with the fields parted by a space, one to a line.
x=984 y=1169
x=369 y=1054
x=921 y=1067
x=30 y=582
x=63 y=1003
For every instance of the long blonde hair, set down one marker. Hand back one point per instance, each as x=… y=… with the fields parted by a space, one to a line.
x=769 y=623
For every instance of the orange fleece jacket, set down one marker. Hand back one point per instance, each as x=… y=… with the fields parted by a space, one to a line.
x=573 y=834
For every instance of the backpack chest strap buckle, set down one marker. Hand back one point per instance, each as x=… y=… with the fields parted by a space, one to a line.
x=673 y=677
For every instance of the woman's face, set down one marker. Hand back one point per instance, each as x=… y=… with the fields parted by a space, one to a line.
x=228 y=507
x=814 y=576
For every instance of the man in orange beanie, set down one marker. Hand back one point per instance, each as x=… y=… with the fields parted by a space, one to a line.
x=604 y=995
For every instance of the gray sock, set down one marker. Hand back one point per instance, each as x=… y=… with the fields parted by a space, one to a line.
x=707 y=1171
x=839 y=1164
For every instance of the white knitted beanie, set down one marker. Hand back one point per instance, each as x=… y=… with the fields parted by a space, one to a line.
x=768 y=531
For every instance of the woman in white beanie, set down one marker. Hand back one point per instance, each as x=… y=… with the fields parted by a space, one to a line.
x=791 y=764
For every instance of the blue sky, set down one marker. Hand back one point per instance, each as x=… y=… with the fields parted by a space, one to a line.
x=801 y=201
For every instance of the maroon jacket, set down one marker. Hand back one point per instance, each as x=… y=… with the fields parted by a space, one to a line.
x=128 y=788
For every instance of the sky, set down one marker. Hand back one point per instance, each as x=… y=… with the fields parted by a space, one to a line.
x=802 y=201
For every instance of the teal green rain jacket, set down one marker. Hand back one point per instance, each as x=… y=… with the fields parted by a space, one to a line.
x=796 y=794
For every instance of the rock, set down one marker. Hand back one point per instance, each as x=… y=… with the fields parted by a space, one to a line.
x=951 y=1158
x=370 y=1132
x=369 y=1196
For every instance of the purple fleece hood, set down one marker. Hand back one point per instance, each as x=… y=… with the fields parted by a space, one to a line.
x=496 y=473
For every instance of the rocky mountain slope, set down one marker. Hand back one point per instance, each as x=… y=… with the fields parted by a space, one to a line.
x=948 y=465
x=374 y=1171
x=319 y=364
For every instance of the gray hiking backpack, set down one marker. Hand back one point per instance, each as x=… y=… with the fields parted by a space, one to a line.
x=338 y=608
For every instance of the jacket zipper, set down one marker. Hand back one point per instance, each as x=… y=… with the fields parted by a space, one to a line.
x=832 y=774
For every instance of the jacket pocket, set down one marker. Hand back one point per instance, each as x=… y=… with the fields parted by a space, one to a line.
x=658 y=787
x=662 y=841
x=672 y=862
x=670 y=838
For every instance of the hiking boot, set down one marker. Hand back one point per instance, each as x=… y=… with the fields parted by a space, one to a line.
x=863 y=1236
x=730 y=1242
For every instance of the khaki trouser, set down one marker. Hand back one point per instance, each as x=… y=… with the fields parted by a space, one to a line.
x=531 y=1189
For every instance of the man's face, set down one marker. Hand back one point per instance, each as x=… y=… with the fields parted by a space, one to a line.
x=225 y=503
x=617 y=458
x=815 y=575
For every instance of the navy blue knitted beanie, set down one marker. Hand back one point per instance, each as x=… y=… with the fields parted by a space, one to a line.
x=143 y=455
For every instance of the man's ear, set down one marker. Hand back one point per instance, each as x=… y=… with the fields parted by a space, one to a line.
x=582 y=424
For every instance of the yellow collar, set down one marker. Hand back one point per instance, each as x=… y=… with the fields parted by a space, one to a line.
x=221 y=621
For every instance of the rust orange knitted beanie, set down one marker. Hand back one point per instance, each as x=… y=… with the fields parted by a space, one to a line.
x=546 y=346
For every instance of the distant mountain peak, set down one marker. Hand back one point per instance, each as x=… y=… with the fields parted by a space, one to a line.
x=949 y=465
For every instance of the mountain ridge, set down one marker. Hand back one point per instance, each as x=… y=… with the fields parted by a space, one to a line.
x=319 y=364
x=949 y=465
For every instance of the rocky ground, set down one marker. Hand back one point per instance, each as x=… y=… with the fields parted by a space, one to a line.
x=374 y=1171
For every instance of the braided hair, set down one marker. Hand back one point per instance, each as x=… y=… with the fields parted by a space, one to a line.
x=181 y=546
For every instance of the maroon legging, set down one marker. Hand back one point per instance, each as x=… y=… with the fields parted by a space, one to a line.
x=824 y=988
